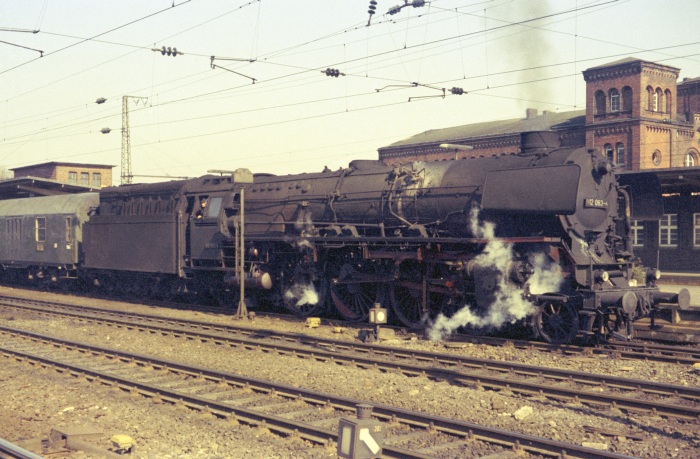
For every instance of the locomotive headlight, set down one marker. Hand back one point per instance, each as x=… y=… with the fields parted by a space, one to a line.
x=604 y=168
x=602 y=276
x=653 y=274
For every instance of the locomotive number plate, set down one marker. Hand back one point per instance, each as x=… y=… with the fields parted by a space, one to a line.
x=595 y=203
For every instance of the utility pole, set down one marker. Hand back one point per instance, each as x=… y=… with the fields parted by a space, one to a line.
x=127 y=176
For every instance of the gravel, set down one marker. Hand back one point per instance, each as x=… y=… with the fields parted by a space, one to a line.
x=35 y=400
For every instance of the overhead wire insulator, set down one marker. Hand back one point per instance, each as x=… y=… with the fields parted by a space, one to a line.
x=333 y=72
x=395 y=9
x=457 y=91
x=169 y=51
x=418 y=3
x=372 y=9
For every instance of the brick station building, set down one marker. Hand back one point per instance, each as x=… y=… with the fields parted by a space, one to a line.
x=639 y=116
x=89 y=175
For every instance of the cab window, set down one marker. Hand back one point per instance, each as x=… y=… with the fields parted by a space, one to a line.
x=214 y=207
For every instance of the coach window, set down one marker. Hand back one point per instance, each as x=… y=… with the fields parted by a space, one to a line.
x=69 y=229
x=638 y=233
x=40 y=229
x=668 y=230
x=72 y=177
x=96 y=180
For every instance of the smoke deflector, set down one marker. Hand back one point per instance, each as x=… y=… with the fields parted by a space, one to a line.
x=543 y=190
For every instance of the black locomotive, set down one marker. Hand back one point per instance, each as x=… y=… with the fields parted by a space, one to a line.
x=543 y=235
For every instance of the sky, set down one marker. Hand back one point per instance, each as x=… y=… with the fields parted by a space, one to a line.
x=264 y=102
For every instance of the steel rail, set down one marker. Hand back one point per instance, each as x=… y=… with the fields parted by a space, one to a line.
x=528 y=443
x=628 y=350
x=469 y=370
x=11 y=451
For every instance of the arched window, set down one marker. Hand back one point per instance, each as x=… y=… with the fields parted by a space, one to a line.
x=667 y=98
x=691 y=158
x=609 y=153
x=658 y=100
x=599 y=103
x=614 y=100
x=651 y=95
x=620 y=147
x=656 y=157
x=627 y=99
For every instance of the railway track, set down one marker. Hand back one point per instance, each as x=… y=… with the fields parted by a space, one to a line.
x=289 y=411
x=633 y=350
x=597 y=391
x=11 y=451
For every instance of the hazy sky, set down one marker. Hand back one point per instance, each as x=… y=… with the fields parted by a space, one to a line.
x=269 y=106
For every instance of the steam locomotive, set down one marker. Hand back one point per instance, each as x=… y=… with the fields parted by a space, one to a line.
x=541 y=236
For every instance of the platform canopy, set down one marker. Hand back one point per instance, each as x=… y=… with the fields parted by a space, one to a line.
x=27 y=187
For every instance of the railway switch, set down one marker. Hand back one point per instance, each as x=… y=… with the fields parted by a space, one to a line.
x=361 y=437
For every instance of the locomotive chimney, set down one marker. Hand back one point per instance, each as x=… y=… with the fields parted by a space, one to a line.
x=538 y=142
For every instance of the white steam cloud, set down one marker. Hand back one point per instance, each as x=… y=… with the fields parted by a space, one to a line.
x=510 y=304
x=302 y=294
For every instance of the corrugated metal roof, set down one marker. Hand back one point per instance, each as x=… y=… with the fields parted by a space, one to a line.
x=49 y=205
x=545 y=121
x=24 y=187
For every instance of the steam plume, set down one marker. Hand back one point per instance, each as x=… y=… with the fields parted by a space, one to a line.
x=510 y=304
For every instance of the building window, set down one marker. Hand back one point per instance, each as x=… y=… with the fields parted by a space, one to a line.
x=40 y=227
x=690 y=159
x=72 y=177
x=668 y=230
x=696 y=230
x=620 y=147
x=627 y=99
x=599 y=103
x=614 y=100
x=667 y=97
x=609 y=153
x=656 y=157
x=650 y=98
x=658 y=100
x=638 y=233
x=96 y=180
x=85 y=178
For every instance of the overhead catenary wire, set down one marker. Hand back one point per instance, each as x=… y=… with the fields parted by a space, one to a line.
x=233 y=90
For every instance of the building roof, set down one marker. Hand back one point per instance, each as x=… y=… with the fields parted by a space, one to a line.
x=543 y=122
x=626 y=61
x=25 y=187
x=60 y=163
x=674 y=179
